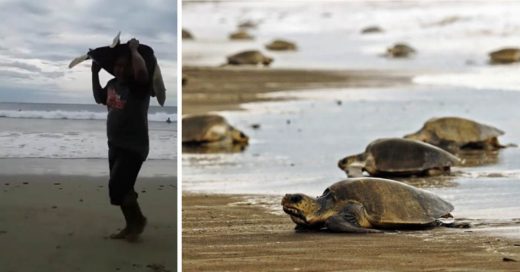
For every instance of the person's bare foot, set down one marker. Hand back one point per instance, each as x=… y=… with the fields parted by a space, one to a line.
x=119 y=235
x=133 y=234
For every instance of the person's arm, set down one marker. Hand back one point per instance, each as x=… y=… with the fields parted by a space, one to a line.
x=100 y=94
x=138 y=63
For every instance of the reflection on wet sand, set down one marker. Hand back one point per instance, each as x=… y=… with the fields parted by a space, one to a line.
x=212 y=148
x=431 y=182
x=472 y=158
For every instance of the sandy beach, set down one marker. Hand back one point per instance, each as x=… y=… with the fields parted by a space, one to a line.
x=227 y=233
x=224 y=233
x=61 y=223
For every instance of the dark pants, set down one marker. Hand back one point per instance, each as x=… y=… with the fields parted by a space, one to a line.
x=124 y=166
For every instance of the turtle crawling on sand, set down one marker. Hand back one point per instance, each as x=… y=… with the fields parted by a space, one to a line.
x=399 y=157
x=281 y=45
x=455 y=133
x=240 y=35
x=248 y=24
x=251 y=57
x=400 y=50
x=505 y=55
x=371 y=29
x=365 y=205
x=211 y=132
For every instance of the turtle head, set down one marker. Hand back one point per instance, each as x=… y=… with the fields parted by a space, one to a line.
x=418 y=136
x=238 y=136
x=304 y=210
x=267 y=61
x=351 y=164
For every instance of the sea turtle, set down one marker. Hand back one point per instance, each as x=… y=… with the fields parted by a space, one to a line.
x=251 y=57
x=186 y=35
x=240 y=35
x=505 y=55
x=365 y=205
x=248 y=24
x=399 y=157
x=371 y=29
x=455 y=133
x=281 y=45
x=400 y=50
x=212 y=132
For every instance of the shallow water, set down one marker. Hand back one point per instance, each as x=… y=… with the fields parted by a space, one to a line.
x=70 y=139
x=299 y=142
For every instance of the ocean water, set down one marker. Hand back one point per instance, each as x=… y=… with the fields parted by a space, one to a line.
x=70 y=139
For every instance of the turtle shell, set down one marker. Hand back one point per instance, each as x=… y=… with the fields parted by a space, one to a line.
x=252 y=57
x=401 y=156
x=506 y=55
x=389 y=202
x=459 y=130
x=204 y=128
x=280 y=45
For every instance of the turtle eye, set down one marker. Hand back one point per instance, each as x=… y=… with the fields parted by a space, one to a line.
x=296 y=198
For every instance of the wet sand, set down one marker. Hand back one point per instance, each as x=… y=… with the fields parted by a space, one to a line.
x=218 y=236
x=225 y=88
x=61 y=223
x=221 y=236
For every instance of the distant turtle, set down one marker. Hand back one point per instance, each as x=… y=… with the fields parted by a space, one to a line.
x=371 y=29
x=251 y=57
x=186 y=35
x=240 y=35
x=506 y=55
x=364 y=205
x=400 y=50
x=399 y=157
x=211 y=131
x=247 y=24
x=281 y=45
x=455 y=133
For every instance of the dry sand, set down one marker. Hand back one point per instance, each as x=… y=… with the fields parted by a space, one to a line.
x=220 y=237
x=60 y=223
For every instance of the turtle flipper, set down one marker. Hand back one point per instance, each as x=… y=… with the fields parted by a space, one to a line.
x=355 y=170
x=350 y=219
x=449 y=221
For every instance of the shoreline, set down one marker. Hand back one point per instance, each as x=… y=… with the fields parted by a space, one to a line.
x=244 y=236
x=209 y=88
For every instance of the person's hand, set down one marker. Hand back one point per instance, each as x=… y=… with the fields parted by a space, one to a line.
x=133 y=44
x=95 y=67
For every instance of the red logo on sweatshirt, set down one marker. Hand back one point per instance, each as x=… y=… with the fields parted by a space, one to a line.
x=114 y=100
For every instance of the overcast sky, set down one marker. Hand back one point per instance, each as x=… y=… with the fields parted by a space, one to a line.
x=38 y=39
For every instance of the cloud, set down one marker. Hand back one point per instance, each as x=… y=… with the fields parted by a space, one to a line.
x=56 y=74
x=9 y=74
x=39 y=38
x=20 y=65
